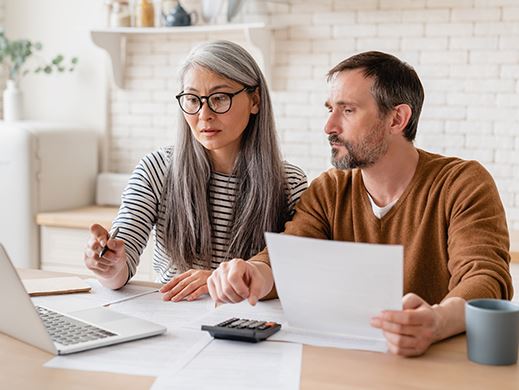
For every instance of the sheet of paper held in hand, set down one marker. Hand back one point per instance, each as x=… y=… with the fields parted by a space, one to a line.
x=330 y=290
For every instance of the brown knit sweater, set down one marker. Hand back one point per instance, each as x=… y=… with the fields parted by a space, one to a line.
x=450 y=221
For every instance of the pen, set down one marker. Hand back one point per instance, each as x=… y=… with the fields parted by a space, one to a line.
x=131 y=297
x=112 y=236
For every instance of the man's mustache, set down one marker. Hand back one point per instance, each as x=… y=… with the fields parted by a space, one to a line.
x=335 y=139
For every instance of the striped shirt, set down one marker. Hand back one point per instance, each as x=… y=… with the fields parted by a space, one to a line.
x=142 y=211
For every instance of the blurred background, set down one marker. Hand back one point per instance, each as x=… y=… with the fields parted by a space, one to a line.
x=122 y=89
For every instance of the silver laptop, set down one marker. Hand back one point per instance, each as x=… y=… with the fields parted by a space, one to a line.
x=60 y=333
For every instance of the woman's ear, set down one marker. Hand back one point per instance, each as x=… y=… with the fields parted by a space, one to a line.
x=255 y=101
x=400 y=119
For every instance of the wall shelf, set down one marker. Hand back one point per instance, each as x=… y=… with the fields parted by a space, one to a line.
x=113 y=40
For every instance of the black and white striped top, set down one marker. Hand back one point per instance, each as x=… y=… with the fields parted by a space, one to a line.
x=142 y=211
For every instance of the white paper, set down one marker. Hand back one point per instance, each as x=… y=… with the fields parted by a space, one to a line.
x=272 y=311
x=230 y=365
x=321 y=339
x=98 y=296
x=335 y=287
x=151 y=356
x=151 y=307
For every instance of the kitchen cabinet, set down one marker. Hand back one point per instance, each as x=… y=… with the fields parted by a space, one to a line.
x=64 y=236
x=113 y=40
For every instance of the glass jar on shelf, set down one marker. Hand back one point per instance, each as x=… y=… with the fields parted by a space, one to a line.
x=120 y=14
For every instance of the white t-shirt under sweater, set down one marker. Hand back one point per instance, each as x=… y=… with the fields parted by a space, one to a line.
x=381 y=211
x=141 y=211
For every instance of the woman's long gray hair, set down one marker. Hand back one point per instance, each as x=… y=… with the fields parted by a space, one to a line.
x=261 y=199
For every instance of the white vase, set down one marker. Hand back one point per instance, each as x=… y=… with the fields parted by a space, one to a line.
x=213 y=11
x=12 y=102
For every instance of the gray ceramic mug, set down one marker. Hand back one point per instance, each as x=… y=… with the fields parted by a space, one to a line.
x=492 y=327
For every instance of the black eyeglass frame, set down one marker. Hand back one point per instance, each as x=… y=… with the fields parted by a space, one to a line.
x=206 y=98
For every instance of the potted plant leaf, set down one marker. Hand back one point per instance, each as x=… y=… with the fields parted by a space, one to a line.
x=14 y=56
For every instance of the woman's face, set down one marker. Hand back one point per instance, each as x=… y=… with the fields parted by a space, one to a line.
x=220 y=134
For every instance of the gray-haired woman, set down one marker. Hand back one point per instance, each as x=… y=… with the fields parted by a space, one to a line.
x=211 y=197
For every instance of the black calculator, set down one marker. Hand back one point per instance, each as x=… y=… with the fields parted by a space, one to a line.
x=243 y=330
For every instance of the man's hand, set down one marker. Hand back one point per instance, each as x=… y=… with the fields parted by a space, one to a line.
x=236 y=280
x=189 y=285
x=410 y=332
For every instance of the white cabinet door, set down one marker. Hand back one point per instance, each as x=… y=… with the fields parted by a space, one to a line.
x=62 y=251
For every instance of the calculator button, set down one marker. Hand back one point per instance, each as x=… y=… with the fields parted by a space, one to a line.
x=230 y=324
x=267 y=325
x=227 y=322
x=245 y=324
x=255 y=324
x=236 y=323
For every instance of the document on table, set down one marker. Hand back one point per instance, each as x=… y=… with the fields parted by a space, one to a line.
x=98 y=296
x=151 y=307
x=151 y=356
x=185 y=348
x=329 y=290
x=235 y=365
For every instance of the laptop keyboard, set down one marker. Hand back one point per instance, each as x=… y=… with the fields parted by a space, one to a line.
x=68 y=331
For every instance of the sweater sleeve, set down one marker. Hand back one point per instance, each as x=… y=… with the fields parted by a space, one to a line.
x=478 y=240
x=139 y=206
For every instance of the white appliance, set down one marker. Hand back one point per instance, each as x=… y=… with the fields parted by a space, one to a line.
x=43 y=167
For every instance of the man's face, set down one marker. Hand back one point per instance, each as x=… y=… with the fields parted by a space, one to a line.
x=357 y=132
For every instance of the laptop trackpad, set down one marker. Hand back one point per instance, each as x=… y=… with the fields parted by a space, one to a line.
x=120 y=324
x=98 y=315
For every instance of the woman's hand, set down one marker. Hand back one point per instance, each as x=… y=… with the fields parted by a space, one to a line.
x=111 y=268
x=190 y=285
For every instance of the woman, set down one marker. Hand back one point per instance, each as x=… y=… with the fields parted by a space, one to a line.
x=211 y=197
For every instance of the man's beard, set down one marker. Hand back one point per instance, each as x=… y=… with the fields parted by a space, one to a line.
x=363 y=154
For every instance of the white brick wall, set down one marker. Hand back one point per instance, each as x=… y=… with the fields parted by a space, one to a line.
x=3 y=75
x=465 y=51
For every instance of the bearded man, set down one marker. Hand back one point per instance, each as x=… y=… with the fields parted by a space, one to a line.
x=445 y=211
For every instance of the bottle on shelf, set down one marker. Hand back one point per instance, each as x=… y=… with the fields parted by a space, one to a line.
x=145 y=14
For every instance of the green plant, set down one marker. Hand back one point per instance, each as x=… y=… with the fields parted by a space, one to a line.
x=15 y=53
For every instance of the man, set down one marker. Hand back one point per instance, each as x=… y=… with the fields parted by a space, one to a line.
x=446 y=212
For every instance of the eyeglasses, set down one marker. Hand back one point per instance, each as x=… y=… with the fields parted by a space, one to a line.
x=218 y=102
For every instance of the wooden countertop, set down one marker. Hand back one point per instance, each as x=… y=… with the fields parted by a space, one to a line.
x=444 y=366
x=78 y=218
